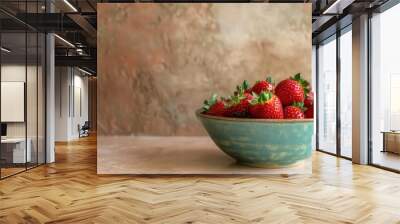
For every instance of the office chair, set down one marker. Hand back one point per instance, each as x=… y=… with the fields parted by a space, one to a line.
x=84 y=130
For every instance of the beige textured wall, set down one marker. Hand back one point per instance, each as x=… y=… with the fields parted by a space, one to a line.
x=158 y=62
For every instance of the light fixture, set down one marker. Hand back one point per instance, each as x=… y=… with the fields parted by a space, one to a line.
x=70 y=5
x=329 y=9
x=337 y=7
x=64 y=40
x=80 y=51
x=84 y=71
x=5 y=50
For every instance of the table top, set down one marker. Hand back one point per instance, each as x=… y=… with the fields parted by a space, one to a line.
x=396 y=132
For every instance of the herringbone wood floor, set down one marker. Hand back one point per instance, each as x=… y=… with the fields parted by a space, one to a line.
x=69 y=191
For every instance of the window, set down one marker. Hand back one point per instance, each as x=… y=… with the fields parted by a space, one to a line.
x=346 y=93
x=327 y=96
x=385 y=88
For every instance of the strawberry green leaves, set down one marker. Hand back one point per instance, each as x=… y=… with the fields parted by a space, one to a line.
x=210 y=102
x=304 y=83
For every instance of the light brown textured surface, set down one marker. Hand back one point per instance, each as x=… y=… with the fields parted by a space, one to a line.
x=158 y=62
x=69 y=191
x=175 y=155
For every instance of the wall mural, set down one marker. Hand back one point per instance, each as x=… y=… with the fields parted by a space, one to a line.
x=158 y=62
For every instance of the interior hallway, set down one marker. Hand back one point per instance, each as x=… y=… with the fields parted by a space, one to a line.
x=69 y=191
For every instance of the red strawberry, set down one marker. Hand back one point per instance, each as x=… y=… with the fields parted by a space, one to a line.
x=309 y=101
x=266 y=105
x=294 y=112
x=263 y=85
x=292 y=90
x=214 y=107
x=238 y=104
x=309 y=113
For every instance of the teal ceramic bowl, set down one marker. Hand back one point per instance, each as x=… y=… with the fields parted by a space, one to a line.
x=268 y=143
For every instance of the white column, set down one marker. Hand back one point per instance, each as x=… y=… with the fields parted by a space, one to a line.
x=360 y=90
x=50 y=100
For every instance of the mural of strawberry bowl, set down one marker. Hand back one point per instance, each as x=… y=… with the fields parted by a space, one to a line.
x=263 y=126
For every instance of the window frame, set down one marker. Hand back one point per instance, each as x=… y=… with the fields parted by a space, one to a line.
x=334 y=37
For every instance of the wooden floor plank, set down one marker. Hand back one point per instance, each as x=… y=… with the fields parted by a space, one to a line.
x=70 y=191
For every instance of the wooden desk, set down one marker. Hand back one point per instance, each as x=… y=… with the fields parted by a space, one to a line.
x=391 y=141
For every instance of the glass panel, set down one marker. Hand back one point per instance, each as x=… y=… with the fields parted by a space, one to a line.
x=327 y=96
x=346 y=93
x=385 y=86
x=13 y=89
x=31 y=88
x=41 y=98
x=31 y=100
x=23 y=90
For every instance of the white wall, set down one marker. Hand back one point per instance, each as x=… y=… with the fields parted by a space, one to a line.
x=62 y=82
x=71 y=102
x=80 y=110
x=12 y=73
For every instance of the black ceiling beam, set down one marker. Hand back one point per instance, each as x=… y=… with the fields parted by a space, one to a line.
x=86 y=26
x=78 y=61
x=49 y=22
x=64 y=51
x=91 y=5
x=331 y=30
x=11 y=25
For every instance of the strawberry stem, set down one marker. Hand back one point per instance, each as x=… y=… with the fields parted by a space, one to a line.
x=270 y=80
x=264 y=97
x=299 y=105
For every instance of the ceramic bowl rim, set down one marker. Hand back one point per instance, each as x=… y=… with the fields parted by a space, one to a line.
x=211 y=117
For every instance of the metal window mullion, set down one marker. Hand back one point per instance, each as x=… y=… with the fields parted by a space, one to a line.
x=0 y=96
x=338 y=95
x=37 y=91
x=45 y=96
x=369 y=89
x=316 y=97
x=26 y=87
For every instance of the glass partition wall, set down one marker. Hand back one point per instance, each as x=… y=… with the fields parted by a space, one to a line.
x=22 y=98
x=334 y=94
x=385 y=89
x=327 y=95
